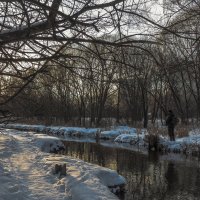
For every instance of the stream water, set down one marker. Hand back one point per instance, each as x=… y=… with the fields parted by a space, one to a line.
x=149 y=176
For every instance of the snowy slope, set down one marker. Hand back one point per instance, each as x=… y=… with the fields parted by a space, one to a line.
x=26 y=173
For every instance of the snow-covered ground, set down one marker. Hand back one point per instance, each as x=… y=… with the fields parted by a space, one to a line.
x=120 y=134
x=27 y=172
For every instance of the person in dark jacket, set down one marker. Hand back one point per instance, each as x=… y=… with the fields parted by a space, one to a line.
x=171 y=122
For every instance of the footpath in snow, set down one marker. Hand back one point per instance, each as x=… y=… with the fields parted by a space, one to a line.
x=121 y=134
x=26 y=172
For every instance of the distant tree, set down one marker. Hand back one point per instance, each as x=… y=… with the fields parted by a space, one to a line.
x=35 y=33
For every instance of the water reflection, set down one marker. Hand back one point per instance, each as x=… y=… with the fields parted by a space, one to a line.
x=171 y=176
x=147 y=176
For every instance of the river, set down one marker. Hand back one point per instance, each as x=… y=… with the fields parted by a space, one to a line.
x=149 y=175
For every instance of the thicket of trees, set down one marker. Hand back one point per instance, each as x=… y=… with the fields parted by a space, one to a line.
x=81 y=62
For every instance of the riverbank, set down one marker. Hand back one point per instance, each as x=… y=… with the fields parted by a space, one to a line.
x=27 y=172
x=189 y=144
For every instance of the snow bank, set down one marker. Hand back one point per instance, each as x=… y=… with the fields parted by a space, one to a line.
x=127 y=138
x=48 y=143
x=55 y=130
x=24 y=127
x=120 y=134
x=132 y=137
x=188 y=145
x=73 y=131
x=77 y=132
x=117 y=131
x=85 y=181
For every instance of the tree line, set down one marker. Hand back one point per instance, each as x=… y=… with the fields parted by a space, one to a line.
x=88 y=62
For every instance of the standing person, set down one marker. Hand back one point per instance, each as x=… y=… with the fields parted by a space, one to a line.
x=171 y=122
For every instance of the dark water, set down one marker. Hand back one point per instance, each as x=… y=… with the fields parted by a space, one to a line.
x=148 y=176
